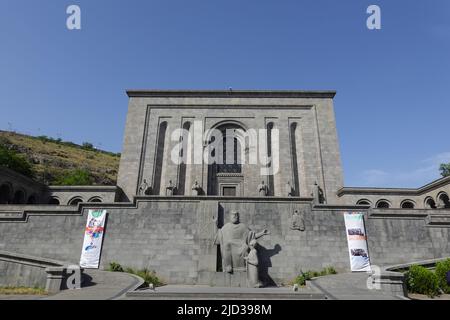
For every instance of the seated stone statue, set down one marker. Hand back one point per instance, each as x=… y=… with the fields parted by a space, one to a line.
x=318 y=194
x=143 y=188
x=263 y=189
x=234 y=239
x=289 y=189
x=170 y=189
x=297 y=222
x=197 y=189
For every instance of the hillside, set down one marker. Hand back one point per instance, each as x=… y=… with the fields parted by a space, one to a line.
x=52 y=159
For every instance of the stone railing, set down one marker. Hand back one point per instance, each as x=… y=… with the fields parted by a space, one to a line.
x=28 y=271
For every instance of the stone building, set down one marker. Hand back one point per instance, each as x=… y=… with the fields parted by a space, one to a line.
x=305 y=151
x=191 y=157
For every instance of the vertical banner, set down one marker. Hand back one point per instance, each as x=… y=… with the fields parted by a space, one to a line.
x=93 y=238
x=357 y=241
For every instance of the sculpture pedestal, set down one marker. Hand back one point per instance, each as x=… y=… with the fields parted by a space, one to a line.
x=223 y=279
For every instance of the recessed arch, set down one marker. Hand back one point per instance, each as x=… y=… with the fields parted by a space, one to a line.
x=430 y=203
x=159 y=159
x=364 y=202
x=95 y=199
x=186 y=141
x=5 y=193
x=443 y=200
x=383 y=204
x=407 y=204
x=271 y=183
x=54 y=200
x=19 y=197
x=32 y=199
x=75 y=201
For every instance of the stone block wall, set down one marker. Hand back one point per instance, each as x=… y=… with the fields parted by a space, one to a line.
x=174 y=236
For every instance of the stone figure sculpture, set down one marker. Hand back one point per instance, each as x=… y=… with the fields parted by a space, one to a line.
x=143 y=188
x=318 y=194
x=170 y=188
x=252 y=266
x=298 y=221
x=263 y=189
x=289 y=189
x=234 y=239
x=197 y=189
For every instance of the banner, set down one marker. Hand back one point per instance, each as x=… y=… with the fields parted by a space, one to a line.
x=93 y=238
x=357 y=241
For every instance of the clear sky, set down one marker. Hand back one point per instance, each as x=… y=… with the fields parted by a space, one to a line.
x=392 y=105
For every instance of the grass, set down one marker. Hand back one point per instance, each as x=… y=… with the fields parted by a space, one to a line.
x=22 y=291
x=149 y=276
x=308 y=275
x=52 y=158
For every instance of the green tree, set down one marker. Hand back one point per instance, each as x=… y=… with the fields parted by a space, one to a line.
x=445 y=169
x=77 y=177
x=11 y=160
x=87 y=146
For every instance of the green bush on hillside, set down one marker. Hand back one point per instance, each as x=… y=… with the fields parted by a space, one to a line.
x=15 y=162
x=77 y=177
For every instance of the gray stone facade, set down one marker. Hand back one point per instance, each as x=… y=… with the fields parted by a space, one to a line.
x=169 y=227
x=305 y=121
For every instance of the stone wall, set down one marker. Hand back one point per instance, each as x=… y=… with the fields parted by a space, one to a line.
x=174 y=236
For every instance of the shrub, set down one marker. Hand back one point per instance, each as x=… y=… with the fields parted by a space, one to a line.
x=147 y=275
x=442 y=267
x=308 y=275
x=10 y=159
x=115 y=267
x=423 y=281
x=87 y=146
x=77 y=177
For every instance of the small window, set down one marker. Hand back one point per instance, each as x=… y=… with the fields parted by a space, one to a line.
x=383 y=204
x=53 y=201
x=363 y=202
x=75 y=201
x=407 y=205
x=430 y=203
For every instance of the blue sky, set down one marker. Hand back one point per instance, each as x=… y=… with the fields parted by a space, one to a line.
x=392 y=106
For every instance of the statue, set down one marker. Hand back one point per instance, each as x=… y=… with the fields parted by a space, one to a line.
x=297 y=221
x=197 y=189
x=234 y=239
x=143 y=188
x=252 y=266
x=289 y=190
x=170 y=188
x=263 y=189
x=318 y=194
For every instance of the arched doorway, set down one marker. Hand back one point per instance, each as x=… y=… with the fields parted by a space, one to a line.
x=19 y=197
x=75 y=201
x=5 y=194
x=32 y=199
x=443 y=201
x=226 y=158
x=53 y=200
